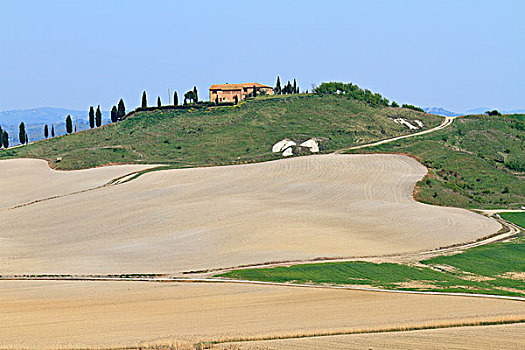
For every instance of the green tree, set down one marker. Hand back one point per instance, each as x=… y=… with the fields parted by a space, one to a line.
x=91 y=117
x=5 y=139
x=277 y=89
x=217 y=100
x=494 y=112
x=254 y=91
x=22 y=133
x=98 y=117
x=236 y=99
x=121 y=110
x=1 y=135
x=69 y=125
x=159 y=103
x=26 y=139
x=144 y=100
x=114 y=114
x=175 y=99
x=394 y=104
x=52 y=130
x=195 y=95
x=189 y=96
x=294 y=86
x=46 y=131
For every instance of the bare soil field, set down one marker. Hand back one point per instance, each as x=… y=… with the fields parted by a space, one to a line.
x=497 y=337
x=27 y=180
x=59 y=314
x=191 y=219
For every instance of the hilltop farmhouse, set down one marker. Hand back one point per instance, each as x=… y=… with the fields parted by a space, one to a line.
x=227 y=92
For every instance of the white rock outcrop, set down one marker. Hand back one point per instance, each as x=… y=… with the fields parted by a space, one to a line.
x=288 y=152
x=406 y=123
x=311 y=144
x=282 y=145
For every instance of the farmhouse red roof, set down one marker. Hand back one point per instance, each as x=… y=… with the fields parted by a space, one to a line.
x=237 y=86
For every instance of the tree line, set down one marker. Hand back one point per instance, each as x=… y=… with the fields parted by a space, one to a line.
x=288 y=88
x=191 y=96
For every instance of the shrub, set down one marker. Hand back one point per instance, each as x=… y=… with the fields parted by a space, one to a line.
x=413 y=107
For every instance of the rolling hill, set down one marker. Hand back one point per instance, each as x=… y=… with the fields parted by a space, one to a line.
x=224 y=135
x=478 y=162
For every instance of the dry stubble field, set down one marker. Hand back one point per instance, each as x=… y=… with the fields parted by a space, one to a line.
x=178 y=220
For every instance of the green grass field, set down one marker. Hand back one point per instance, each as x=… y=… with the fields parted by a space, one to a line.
x=478 y=162
x=516 y=218
x=493 y=269
x=223 y=135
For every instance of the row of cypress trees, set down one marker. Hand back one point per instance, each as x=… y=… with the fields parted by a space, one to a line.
x=287 y=89
x=191 y=96
x=95 y=118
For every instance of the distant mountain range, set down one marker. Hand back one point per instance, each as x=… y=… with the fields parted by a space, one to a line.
x=479 y=110
x=440 y=111
x=34 y=120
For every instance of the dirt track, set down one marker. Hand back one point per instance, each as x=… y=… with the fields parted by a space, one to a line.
x=191 y=219
x=82 y=314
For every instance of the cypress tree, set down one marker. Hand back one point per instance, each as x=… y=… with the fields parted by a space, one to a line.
x=144 y=100
x=216 y=100
x=98 y=117
x=46 y=131
x=5 y=139
x=236 y=99
x=26 y=139
x=175 y=99
x=22 y=133
x=277 y=89
x=159 y=103
x=91 y=117
x=52 y=131
x=69 y=125
x=121 y=110
x=114 y=114
x=254 y=91
x=1 y=135
x=294 y=86
x=195 y=96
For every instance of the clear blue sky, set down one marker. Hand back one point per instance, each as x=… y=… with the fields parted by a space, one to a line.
x=453 y=54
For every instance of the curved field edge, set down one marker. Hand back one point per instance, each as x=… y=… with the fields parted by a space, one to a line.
x=407 y=328
x=223 y=135
x=477 y=162
x=494 y=269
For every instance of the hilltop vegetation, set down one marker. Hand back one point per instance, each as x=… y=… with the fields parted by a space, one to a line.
x=478 y=162
x=224 y=135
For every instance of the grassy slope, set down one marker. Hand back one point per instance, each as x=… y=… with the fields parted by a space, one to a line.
x=478 y=270
x=224 y=135
x=470 y=163
x=517 y=218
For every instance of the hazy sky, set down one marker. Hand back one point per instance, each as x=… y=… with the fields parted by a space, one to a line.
x=73 y=54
